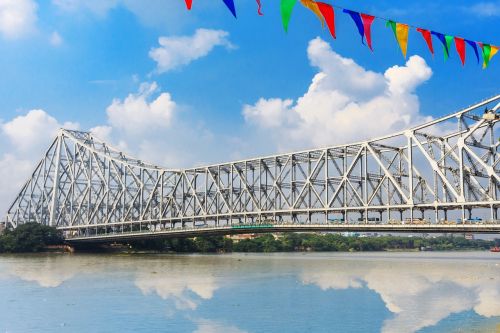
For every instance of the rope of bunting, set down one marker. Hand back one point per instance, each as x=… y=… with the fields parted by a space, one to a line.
x=326 y=14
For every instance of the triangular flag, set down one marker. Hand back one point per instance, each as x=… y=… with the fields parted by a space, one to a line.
x=426 y=34
x=474 y=47
x=189 y=4
x=460 y=45
x=401 y=33
x=313 y=7
x=448 y=39
x=391 y=24
x=367 y=22
x=259 y=9
x=494 y=50
x=402 y=36
x=486 y=54
x=444 y=41
x=359 y=24
x=230 y=5
x=329 y=16
x=286 y=12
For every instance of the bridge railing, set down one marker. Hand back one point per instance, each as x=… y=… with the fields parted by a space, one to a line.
x=400 y=226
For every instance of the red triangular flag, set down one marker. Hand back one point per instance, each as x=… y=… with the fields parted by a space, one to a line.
x=460 y=45
x=428 y=39
x=329 y=16
x=189 y=3
x=367 y=22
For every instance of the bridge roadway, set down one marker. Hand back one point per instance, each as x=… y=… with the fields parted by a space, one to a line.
x=286 y=227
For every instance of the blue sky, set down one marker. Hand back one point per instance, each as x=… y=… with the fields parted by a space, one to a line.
x=102 y=51
x=249 y=88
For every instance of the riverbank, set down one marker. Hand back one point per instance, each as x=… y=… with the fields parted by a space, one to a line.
x=304 y=242
x=33 y=237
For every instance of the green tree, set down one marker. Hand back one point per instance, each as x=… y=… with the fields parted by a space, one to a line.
x=30 y=237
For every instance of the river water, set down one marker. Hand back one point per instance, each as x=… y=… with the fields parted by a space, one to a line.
x=299 y=292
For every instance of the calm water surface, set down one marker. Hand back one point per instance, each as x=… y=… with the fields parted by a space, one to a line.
x=314 y=292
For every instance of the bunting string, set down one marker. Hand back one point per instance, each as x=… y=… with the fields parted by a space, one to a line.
x=259 y=8
x=325 y=12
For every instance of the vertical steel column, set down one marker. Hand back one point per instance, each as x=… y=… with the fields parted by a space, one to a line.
x=410 y=174
x=55 y=189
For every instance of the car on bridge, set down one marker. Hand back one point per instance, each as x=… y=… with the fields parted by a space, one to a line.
x=474 y=220
x=335 y=221
x=416 y=221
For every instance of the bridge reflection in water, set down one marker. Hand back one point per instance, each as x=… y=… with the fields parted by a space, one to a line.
x=442 y=176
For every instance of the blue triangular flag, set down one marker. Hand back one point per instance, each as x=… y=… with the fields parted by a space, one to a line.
x=357 y=19
x=441 y=37
x=230 y=5
x=474 y=46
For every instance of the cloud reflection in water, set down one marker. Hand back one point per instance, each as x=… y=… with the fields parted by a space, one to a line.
x=418 y=293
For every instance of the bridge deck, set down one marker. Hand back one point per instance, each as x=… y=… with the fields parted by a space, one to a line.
x=271 y=228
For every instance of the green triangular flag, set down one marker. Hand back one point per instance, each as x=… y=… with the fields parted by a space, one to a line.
x=392 y=24
x=286 y=11
x=448 y=39
x=486 y=54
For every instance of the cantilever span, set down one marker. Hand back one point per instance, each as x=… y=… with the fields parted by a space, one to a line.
x=443 y=174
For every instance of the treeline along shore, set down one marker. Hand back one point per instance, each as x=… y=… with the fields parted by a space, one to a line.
x=34 y=237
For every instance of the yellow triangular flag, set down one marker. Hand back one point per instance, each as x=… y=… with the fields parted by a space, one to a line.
x=494 y=50
x=402 y=36
x=313 y=6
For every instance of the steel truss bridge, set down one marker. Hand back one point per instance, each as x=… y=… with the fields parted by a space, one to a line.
x=436 y=177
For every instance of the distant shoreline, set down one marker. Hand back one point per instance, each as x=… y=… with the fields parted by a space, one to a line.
x=33 y=237
x=300 y=243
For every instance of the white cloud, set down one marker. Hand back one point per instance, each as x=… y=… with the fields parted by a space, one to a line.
x=30 y=132
x=212 y=326
x=344 y=103
x=486 y=9
x=55 y=39
x=17 y=18
x=23 y=142
x=135 y=114
x=175 y=52
x=14 y=170
x=270 y=113
x=150 y=125
x=102 y=132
